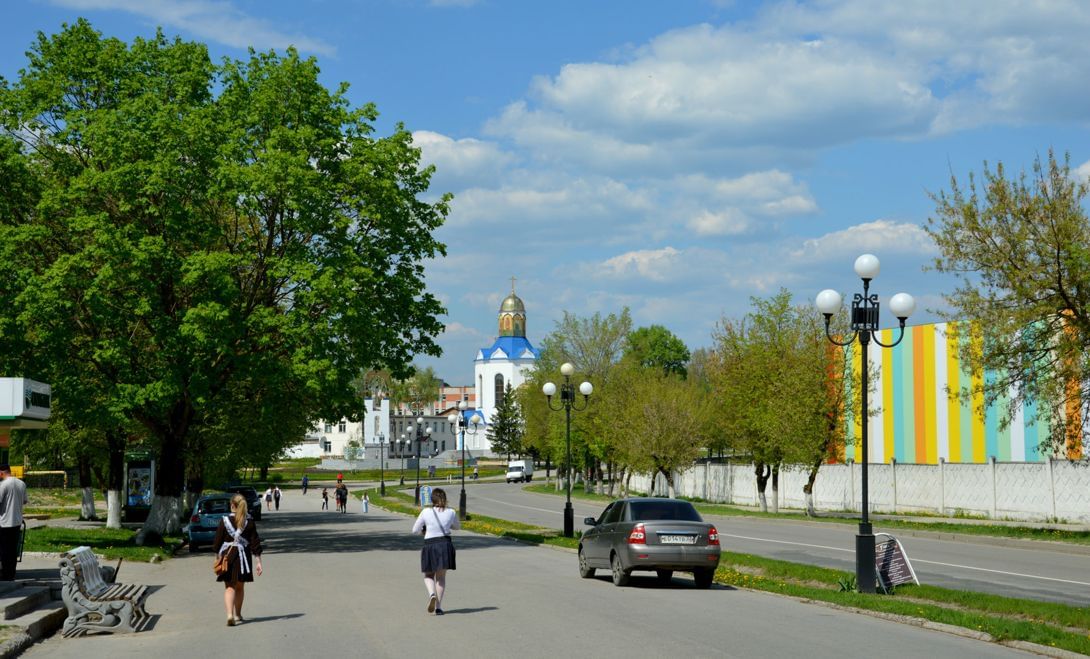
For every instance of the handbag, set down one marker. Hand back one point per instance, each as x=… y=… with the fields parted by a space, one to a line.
x=221 y=565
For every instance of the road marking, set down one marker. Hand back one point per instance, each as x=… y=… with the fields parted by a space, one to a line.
x=914 y=560
x=507 y=503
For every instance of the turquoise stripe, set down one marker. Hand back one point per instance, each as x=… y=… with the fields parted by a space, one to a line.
x=1004 y=439
x=1029 y=415
x=991 y=421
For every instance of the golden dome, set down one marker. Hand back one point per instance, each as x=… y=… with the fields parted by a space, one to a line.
x=512 y=303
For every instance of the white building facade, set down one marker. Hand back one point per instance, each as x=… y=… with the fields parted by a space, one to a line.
x=329 y=438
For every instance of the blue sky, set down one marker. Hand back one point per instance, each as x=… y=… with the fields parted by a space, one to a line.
x=676 y=158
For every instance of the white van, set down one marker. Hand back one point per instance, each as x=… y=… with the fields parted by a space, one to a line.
x=520 y=470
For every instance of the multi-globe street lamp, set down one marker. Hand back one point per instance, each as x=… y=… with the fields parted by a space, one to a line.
x=421 y=432
x=567 y=403
x=458 y=424
x=864 y=326
x=381 y=466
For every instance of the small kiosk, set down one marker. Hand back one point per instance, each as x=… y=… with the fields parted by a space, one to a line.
x=139 y=485
x=24 y=405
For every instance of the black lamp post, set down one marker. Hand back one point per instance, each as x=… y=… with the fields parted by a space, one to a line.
x=401 y=453
x=567 y=403
x=458 y=424
x=864 y=325
x=381 y=467
x=421 y=432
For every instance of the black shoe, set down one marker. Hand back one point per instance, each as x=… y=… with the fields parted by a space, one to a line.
x=439 y=612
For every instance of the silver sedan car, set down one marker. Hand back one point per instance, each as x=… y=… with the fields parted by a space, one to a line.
x=658 y=535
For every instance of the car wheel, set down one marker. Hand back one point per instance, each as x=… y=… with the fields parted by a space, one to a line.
x=704 y=578
x=192 y=547
x=585 y=570
x=664 y=575
x=621 y=577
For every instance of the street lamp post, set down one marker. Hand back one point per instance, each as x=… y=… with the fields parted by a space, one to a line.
x=864 y=325
x=401 y=454
x=458 y=424
x=421 y=432
x=381 y=466
x=567 y=403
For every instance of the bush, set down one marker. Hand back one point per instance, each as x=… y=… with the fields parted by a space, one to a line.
x=277 y=478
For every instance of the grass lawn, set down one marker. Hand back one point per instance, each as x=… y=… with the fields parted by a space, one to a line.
x=111 y=543
x=1027 y=532
x=1004 y=618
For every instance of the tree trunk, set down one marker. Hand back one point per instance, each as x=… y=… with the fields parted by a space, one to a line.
x=548 y=467
x=625 y=484
x=808 y=489
x=612 y=479
x=763 y=472
x=165 y=516
x=669 y=476
x=115 y=477
x=776 y=489
x=87 y=502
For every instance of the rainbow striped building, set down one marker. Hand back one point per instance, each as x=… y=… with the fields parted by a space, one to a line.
x=919 y=422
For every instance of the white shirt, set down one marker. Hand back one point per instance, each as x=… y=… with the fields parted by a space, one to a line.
x=448 y=519
x=12 y=500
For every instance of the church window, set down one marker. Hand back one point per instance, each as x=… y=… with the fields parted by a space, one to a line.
x=499 y=388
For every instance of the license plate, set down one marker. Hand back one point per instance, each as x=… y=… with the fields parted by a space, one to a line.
x=677 y=539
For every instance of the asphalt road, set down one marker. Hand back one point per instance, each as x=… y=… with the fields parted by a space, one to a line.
x=349 y=585
x=965 y=564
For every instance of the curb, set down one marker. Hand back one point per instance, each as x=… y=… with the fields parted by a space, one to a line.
x=15 y=646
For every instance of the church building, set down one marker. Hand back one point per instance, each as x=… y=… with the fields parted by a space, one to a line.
x=508 y=361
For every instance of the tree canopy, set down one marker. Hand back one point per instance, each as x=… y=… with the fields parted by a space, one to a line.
x=186 y=246
x=1020 y=249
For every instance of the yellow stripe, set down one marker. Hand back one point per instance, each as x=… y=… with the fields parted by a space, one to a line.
x=953 y=405
x=977 y=380
x=931 y=442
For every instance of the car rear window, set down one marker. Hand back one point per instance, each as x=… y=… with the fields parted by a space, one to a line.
x=214 y=506
x=676 y=510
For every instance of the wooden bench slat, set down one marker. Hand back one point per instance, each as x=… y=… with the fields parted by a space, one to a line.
x=95 y=605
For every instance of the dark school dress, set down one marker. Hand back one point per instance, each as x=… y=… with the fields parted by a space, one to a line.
x=253 y=548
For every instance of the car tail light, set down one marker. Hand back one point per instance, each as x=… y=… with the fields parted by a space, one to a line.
x=195 y=518
x=713 y=536
x=638 y=536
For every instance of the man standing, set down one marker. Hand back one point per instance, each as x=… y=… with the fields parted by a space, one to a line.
x=12 y=500
x=306 y=481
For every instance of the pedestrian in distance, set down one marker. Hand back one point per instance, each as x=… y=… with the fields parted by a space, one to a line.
x=366 y=502
x=438 y=554
x=12 y=499
x=306 y=481
x=236 y=536
x=341 y=494
x=474 y=473
x=276 y=496
x=325 y=498
x=268 y=498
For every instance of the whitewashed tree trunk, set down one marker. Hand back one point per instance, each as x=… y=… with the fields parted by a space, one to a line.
x=113 y=509
x=164 y=518
x=775 y=499
x=87 y=504
x=810 y=505
x=763 y=501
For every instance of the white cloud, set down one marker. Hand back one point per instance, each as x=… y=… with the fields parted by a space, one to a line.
x=214 y=20
x=656 y=265
x=1082 y=172
x=729 y=222
x=875 y=237
x=461 y=163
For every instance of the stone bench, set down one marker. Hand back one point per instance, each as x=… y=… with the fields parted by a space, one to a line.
x=95 y=604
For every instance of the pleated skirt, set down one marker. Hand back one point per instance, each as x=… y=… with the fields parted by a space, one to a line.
x=437 y=554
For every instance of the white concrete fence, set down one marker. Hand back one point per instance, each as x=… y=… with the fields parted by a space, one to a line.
x=1032 y=491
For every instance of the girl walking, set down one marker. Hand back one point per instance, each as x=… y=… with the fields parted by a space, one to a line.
x=236 y=536
x=437 y=556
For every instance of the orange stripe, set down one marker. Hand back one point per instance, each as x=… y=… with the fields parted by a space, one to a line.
x=919 y=408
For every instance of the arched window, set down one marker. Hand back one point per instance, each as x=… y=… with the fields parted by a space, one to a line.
x=499 y=389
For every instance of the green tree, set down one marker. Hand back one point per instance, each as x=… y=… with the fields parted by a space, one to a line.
x=505 y=430
x=182 y=235
x=659 y=348
x=1020 y=248
x=770 y=375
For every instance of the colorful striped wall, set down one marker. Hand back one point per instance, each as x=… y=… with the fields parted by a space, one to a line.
x=919 y=422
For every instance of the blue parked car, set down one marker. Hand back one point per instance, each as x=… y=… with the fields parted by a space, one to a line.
x=206 y=516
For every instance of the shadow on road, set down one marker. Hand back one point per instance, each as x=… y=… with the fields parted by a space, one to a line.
x=478 y=609
x=652 y=581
